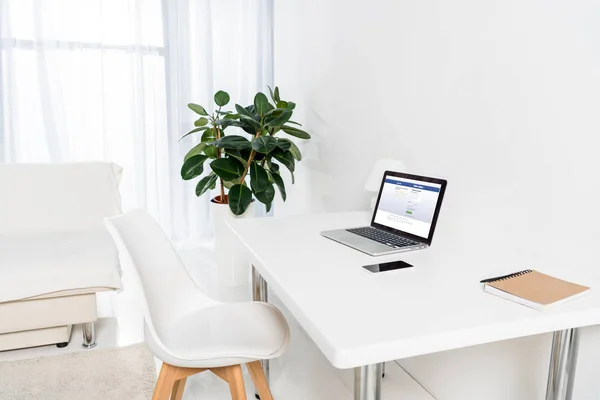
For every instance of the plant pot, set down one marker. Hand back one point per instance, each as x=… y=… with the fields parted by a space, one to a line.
x=233 y=266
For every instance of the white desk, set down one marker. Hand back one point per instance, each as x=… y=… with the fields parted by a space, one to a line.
x=360 y=320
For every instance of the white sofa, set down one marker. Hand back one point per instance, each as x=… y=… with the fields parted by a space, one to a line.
x=55 y=253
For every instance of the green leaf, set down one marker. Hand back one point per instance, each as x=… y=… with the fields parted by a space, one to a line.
x=234 y=142
x=242 y=111
x=280 y=120
x=221 y=98
x=240 y=155
x=223 y=112
x=294 y=122
x=264 y=144
x=248 y=128
x=209 y=136
x=299 y=133
x=198 y=109
x=286 y=158
x=259 y=179
x=225 y=123
x=193 y=167
x=247 y=120
x=276 y=112
x=250 y=120
x=261 y=104
x=268 y=206
x=280 y=185
x=252 y=110
x=292 y=148
x=259 y=156
x=272 y=166
x=266 y=196
x=254 y=124
x=231 y=116
x=195 y=130
x=284 y=144
x=227 y=168
x=290 y=105
x=201 y=121
x=197 y=149
x=272 y=94
x=277 y=98
x=282 y=104
x=206 y=183
x=211 y=151
x=240 y=198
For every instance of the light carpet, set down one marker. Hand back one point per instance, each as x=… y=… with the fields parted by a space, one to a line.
x=122 y=373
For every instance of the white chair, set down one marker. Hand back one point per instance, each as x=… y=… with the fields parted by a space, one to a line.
x=55 y=253
x=189 y=331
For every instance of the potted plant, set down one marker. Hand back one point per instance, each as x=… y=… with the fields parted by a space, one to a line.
x=246 y=165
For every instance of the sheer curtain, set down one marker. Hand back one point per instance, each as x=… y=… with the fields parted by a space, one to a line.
x=110 y=80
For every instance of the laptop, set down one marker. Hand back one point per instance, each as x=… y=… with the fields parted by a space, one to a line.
x=404 y=218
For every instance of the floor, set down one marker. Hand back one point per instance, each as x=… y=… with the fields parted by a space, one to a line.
x=302 y=373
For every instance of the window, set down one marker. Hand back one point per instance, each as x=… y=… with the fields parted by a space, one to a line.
x=110 y=80
x=85 y=78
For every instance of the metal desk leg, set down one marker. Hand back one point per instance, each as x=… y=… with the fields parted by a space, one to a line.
x=563 y=361
x=367 y=382
x=260 y=292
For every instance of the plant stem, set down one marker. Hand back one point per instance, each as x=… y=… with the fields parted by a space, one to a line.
x=252 y=154
x=221 y=184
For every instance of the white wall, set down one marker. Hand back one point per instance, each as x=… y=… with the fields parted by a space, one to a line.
x=501 y=97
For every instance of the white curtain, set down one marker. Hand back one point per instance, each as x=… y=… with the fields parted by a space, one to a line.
x=110 y=80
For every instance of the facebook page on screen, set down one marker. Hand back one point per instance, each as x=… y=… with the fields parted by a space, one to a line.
x=407 y=205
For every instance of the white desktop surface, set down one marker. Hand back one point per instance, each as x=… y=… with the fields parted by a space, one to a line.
x=359 y=318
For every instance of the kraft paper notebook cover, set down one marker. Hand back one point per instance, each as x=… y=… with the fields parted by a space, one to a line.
x=534 y=289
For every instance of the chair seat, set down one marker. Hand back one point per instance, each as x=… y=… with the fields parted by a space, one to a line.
x=35 y=265
x=223 y=335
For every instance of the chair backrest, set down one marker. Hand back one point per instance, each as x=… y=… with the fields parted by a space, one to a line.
x=50 y=198
x=168 y=289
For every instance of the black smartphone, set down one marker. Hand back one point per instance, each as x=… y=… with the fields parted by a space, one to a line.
x=389 y=266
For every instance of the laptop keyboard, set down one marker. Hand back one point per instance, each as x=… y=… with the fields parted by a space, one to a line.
x=383 y=237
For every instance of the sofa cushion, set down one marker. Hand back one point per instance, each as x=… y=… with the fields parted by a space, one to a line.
x=34 y=265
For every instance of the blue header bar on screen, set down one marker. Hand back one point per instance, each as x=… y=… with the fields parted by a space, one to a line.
x=412 y=185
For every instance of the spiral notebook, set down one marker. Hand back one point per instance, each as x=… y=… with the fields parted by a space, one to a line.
x=534 y=289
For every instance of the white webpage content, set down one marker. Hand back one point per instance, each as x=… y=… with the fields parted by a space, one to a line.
x=407 y=205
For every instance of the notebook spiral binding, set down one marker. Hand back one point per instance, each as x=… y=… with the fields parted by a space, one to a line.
x=511 y=276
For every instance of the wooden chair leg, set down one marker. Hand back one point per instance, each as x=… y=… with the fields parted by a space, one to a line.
x=260 y=382
x=165 y=382
x=221 y=372
x=178 y=388
x=236 y=382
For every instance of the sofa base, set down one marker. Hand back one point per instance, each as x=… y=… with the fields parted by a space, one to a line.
x=36 y=337
x=44 y=321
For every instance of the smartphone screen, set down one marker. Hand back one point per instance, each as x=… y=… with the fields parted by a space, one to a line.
x=390 y=266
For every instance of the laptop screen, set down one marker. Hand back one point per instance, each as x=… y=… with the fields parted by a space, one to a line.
x=407 y=205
